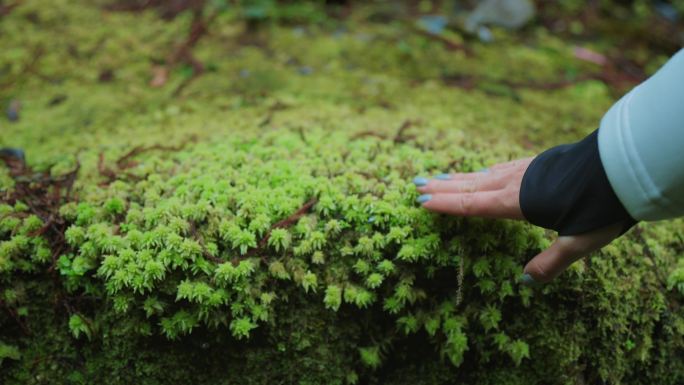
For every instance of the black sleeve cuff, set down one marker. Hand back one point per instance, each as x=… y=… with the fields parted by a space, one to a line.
x=566 y=189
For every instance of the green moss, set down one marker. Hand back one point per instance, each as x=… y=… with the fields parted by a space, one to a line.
x=279 y=242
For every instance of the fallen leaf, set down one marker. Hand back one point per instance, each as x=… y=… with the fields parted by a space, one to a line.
x=591 y=56
x=160 y=75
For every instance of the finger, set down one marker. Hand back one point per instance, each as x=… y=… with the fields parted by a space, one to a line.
x=491 y=204
x=463 y=176
x=482 y=182
x=566 y=250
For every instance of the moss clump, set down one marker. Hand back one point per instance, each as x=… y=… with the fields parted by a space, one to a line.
x=262 y=228
x=222 y=241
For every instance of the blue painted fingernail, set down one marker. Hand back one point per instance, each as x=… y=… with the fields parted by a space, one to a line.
x=527 y=279
x=483 y=170
x=424 y=198
x=420 y=181
x=443 y=177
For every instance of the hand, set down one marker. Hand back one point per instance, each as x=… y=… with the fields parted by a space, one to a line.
x=494 y=193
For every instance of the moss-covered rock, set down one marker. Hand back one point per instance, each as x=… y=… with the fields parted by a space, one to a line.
x=261 y=227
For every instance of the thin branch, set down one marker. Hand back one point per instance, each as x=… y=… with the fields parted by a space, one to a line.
x=16 y=318
x=205 y=252
x=469 y=82
x=400 y=137
x=6 y=9
x=287 y=222
x=29 y=67
x=124 y=161
x=70 y=179
x=448 y=43
x=104 y=170
x=43 y=228
x=302 y=136
x=295 y=216
x=53 y=258
x=365 y=134
x=198 y=29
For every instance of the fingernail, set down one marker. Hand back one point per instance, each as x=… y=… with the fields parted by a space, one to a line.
x=443 y=177
x=420 y=181
x=527 y=279
x=483 y=170
x=424 y=198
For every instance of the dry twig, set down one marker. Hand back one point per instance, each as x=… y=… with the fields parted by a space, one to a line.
x=449 y=44
x=124 y=162
x=287 y=222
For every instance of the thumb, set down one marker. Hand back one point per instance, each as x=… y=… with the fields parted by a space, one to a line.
x=565 y=251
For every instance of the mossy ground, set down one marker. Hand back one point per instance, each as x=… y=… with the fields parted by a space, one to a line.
x=363 y=288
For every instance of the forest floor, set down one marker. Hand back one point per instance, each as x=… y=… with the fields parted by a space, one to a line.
x=101 y=77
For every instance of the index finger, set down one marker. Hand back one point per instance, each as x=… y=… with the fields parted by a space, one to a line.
x=490 y=204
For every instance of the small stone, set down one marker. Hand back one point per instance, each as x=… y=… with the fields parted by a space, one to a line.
x=434 y=24
x=15 y=153
x=305 y=70
x=485 y=34
x=666 y=10
x=510 y=14
x=13 y=110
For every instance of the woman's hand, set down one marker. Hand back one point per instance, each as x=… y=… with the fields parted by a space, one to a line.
x=494 y=193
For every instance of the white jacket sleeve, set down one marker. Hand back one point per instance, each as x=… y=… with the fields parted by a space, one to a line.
x=641 y=145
